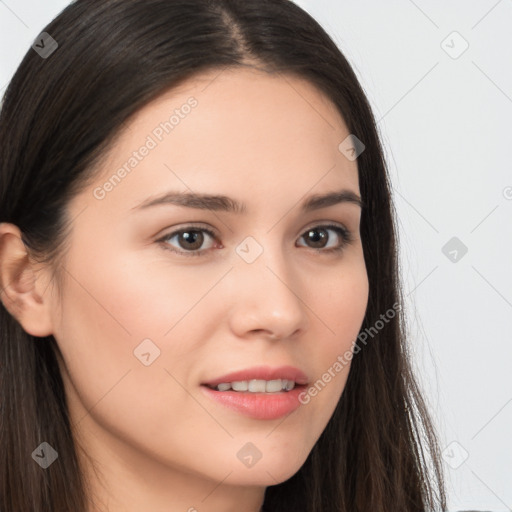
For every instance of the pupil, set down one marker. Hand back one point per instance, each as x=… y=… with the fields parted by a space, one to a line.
x=315 y=239
x=191 y=238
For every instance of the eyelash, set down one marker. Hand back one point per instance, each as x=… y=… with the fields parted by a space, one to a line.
x=344 y=233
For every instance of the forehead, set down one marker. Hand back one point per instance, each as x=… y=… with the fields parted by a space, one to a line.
x=232 y=130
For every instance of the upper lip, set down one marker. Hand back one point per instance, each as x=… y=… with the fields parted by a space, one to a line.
x=263 y=373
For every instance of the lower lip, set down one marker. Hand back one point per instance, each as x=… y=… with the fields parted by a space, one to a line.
x=260 y=406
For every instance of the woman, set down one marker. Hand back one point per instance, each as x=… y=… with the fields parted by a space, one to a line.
x=200 y=298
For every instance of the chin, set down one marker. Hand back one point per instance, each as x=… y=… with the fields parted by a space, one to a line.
x=271 y=471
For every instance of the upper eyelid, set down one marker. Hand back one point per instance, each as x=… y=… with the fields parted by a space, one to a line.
x=189 y=227
x=200 y=227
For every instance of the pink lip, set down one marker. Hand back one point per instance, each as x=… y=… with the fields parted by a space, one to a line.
x=263 y=373
x=260 y=406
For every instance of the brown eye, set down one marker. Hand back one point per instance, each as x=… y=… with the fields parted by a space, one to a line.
x=318 y=237
x=189 y=241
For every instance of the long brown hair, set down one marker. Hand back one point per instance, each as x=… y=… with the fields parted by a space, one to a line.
x=60 y=116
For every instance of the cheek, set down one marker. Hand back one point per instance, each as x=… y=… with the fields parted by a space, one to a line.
x=107 y=312
x=111 y=307
x=340 y=306
x=136 y=297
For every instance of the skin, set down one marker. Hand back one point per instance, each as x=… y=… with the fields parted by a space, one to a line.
x=159 y=443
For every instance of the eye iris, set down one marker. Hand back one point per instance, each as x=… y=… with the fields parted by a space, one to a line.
x=317 y=235
x=194 y=237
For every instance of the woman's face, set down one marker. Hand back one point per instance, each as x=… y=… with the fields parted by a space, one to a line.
x=148 y=316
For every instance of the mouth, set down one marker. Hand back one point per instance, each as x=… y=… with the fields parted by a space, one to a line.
x=255 y=403
x=260 y=379
x=257 y=386
x=261 y=392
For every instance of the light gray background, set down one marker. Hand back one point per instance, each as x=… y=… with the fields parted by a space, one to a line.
x=447 y=131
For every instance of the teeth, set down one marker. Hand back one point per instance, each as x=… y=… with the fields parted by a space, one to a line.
x=273 y=385
x=258 y=386
x=290 y=384
x=240 y=385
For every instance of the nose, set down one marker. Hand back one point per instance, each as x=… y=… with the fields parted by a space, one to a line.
x=268 y=299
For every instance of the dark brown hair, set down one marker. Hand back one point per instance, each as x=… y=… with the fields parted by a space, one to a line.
x=60 y=116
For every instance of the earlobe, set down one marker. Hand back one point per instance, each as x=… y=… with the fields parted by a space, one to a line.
x=21 y=291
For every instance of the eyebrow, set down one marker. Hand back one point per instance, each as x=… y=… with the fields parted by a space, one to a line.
x=227 y=204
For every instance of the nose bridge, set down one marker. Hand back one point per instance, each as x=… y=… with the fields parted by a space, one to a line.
x=268 y=290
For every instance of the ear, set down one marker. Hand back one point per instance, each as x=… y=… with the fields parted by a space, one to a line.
x=22 y=288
